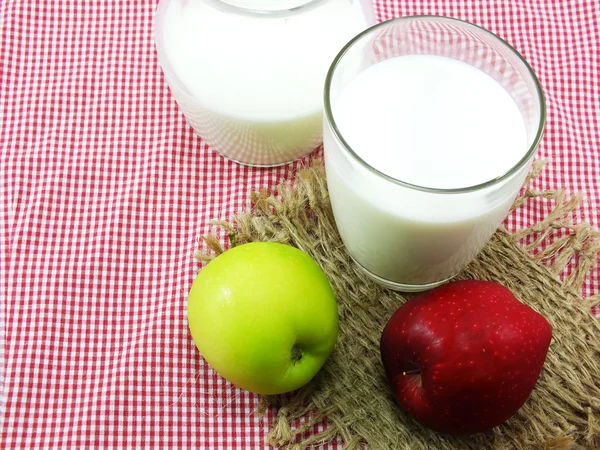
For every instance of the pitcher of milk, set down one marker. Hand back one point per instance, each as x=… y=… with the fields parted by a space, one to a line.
x=248 y=74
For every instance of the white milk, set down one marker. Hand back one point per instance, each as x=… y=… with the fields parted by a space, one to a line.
x=252 y=86
x=433 y=122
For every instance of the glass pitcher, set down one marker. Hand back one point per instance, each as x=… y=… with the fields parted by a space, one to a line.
x=249 y=74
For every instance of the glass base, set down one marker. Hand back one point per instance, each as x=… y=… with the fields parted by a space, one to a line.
x=262 y=165
x=400 y=287
x=259 y=165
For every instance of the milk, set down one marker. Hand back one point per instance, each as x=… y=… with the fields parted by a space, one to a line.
x=436 y=123
x=252 y=84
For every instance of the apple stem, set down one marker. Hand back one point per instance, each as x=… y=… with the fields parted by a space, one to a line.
x=411 y=372
x=296 y=354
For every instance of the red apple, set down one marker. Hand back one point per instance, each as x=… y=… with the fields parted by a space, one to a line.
x=464 y=357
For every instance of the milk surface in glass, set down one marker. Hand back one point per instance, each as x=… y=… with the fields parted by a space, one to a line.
x=251 y=83
x=434 y=122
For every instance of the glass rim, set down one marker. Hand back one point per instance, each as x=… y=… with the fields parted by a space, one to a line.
x=338 y=135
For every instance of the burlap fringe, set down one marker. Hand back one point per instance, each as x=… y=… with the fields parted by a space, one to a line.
x=350 y=394
x=567 y=241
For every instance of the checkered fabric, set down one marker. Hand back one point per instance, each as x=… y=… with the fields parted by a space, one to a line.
x=105 y=192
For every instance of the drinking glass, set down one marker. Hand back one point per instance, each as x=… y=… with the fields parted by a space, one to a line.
x=404 y=236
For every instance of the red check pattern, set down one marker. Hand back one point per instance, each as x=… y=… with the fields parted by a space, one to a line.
x=105 y=192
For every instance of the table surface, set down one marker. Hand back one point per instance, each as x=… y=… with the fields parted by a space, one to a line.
x=105 y=192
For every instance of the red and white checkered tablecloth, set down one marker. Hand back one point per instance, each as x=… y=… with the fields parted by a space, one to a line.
x=105 y=191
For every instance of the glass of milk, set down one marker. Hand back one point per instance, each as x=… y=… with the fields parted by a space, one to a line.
x=248 y=74
x=430 y=127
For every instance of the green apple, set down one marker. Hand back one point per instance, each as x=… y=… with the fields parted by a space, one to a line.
x=263 y=315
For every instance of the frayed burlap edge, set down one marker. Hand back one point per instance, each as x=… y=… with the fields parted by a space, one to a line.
x=350 y=394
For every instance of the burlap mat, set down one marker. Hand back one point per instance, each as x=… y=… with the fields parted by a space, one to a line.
x=351 y=393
